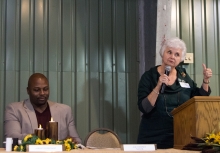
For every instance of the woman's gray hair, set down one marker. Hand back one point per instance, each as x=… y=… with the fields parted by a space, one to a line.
x=174 y=43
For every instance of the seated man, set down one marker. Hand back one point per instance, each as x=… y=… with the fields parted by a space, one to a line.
x=22 y=118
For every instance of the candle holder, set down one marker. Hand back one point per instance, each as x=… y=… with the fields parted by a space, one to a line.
x=52 y=130
x=40 y=132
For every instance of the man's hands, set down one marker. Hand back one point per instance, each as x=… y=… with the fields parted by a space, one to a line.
x=73 y=139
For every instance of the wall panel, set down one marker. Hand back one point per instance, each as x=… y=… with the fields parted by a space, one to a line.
x=87 y=49
x=2 y=63
x=197 y=23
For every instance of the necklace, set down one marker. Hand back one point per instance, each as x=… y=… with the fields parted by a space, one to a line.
x=165 y=103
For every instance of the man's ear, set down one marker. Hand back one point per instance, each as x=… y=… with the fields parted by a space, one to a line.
x=27 y=91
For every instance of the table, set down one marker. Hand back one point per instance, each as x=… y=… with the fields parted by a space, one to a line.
x=2 y=150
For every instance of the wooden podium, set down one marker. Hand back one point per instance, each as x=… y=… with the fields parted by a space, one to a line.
x=195 y=117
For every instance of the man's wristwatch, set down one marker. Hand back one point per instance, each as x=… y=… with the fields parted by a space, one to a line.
x=206 y=82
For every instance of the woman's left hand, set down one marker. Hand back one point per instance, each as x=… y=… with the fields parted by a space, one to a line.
x=207 y=72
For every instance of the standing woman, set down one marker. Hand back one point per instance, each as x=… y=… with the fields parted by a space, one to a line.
x=156 y=125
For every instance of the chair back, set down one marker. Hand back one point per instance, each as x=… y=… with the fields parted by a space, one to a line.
x=102 y=138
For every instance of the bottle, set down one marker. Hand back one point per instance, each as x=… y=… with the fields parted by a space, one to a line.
x=9 y=142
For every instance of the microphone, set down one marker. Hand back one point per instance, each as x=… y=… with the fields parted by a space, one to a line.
x=167 y=72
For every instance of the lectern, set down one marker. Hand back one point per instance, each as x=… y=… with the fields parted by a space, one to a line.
x=195 y=117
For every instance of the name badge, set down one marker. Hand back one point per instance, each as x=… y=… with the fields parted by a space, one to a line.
x=184 y=85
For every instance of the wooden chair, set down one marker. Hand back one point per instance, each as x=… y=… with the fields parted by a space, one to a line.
x=102 y=138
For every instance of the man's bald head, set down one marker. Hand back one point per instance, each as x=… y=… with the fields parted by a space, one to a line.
x=38 y=90
x=36 y=76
